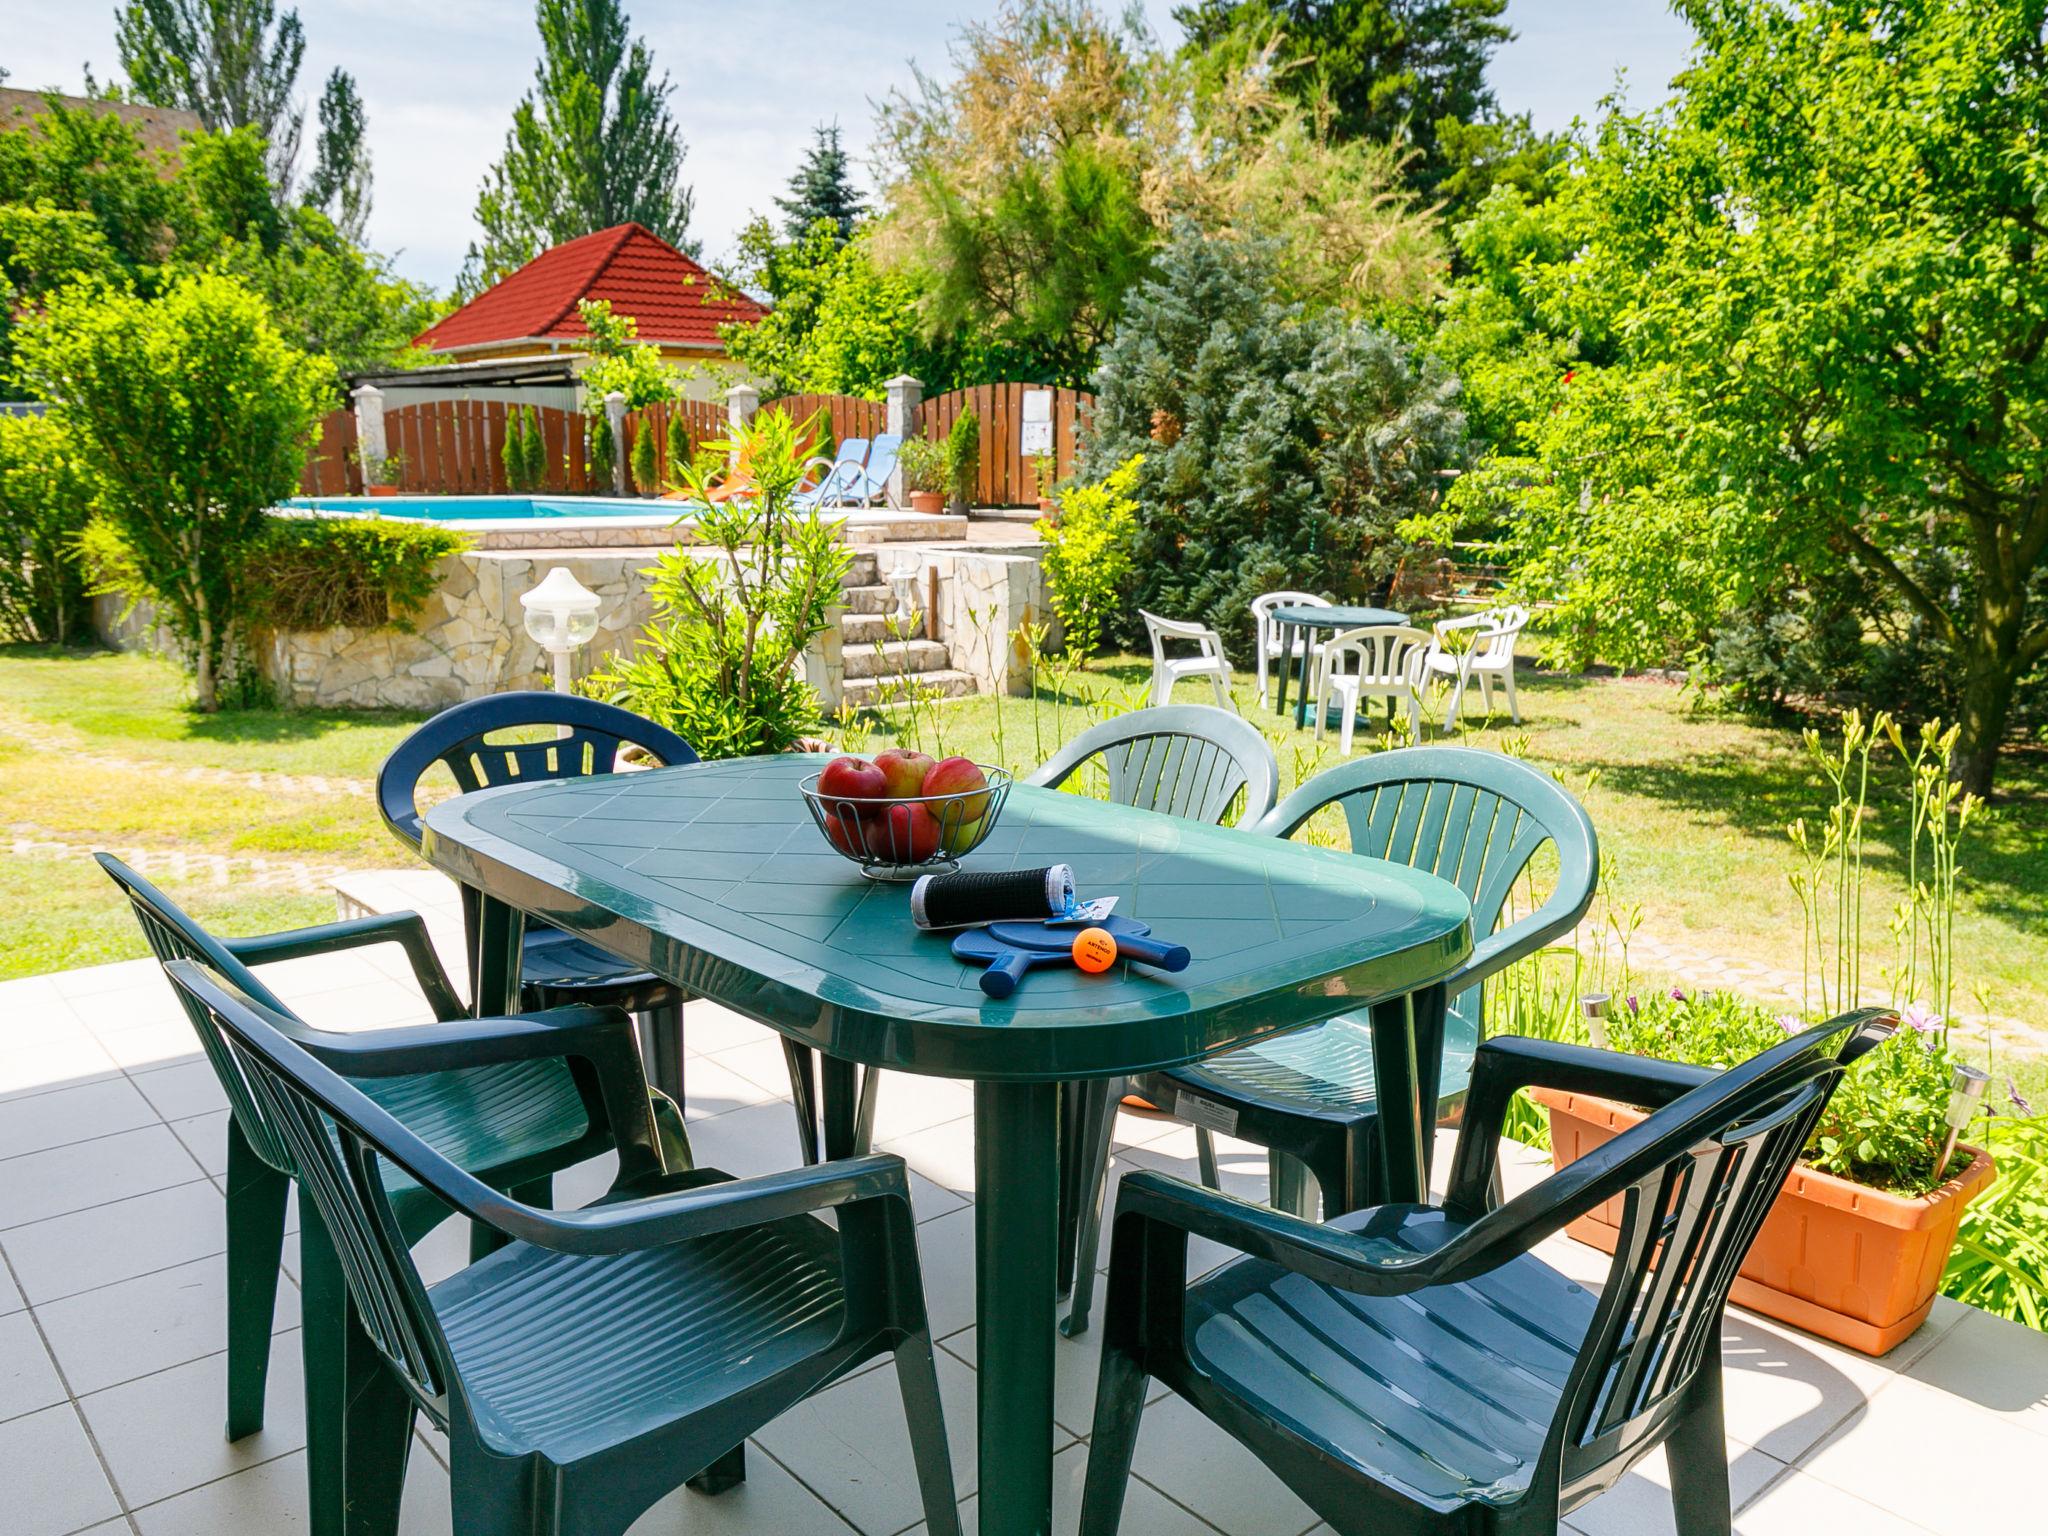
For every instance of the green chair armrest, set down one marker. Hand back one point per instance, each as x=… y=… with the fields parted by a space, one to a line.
x=405 y=929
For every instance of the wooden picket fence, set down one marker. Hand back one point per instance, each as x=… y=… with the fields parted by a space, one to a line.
x=455 y=448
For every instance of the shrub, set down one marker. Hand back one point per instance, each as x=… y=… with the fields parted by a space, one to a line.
x=599 y=459
x=963 y=460
x=722 y=664
x=1282 y=448
x=45 y=502
x=678 y=447
x=1088 y=553
x=534 y=453
x=512 y=452
x=923 y=461
x=2000 y=1261
x=317 y=572
x=646 y=465
x=195 y=416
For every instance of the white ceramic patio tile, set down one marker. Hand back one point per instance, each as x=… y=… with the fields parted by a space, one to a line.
x=945 y=1250
x=206 y=1138
x=39 y=1185
x=942 y=1153
x=711 y=1088
x=270 y=1500
x=762 y=1139
x=57 y=1119
x=1997 y=1365
x=120 y=1009
x=1640 y=1504
x=1906 y=1453
x=1147 y=1512
x=92 y=980
x=10 y=1293
x=1798 y=1505
x=53 y=1480
x=178 y=1092
x=86 y=1249
x=850 y=1446
x=709 y=1028
x=1076 y=1364
x=1785 y=1393
x=56 y=1061
x=36 y=1009
x=28 y=1380
x=162 y=1434
x=150 y=1323
x=373 y=1004
x=159 y=1043
x=769 y=1503
x=760 y=1061
x=1198 y=1465
x=907 y=1102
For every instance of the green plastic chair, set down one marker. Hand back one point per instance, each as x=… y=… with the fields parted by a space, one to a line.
x=1187 y=760
x=1417 y=1369
x=1474 y=818
x=604 y=1356
x=513 y=1100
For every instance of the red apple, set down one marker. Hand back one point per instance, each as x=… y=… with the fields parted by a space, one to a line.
x=960 y=833
x=852 y=778
x=907 y=834
x=959 y=776
x=846 y=830
x=905 y=770
x=851 y=792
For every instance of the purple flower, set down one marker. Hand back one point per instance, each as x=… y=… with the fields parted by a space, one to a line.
x=1678 y=994
x=1789 y=1022
x=1633 y=1005
x=1920 y=1020
x=2019 y=1100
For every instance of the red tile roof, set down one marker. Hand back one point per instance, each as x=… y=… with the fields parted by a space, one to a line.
x=673 y=298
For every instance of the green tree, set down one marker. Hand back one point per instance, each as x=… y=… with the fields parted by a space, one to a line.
x=45 y=502
x=340 y=184
x=1389 y=68
x=591 y=146
x=194 y=416
x=1283 y=447
x=822 y=188
x=1823 y=264
x=234 y=62
x=82 y=161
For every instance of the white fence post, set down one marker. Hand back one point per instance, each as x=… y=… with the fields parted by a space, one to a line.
x=741 y=401
x=370 y=449
x=905 y=395
x=615 y=413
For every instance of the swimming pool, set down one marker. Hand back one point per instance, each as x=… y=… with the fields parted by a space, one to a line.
x=471 y=509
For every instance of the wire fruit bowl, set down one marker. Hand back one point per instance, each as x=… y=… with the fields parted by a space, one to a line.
x=910 y=835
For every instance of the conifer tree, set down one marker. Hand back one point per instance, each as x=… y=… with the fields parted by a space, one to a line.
x=340 y=184
x=822 y=188
x=591 y=146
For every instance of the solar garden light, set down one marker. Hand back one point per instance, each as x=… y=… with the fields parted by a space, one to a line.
x=561 y=618
x=1965 y=1093
x=1594 y=1006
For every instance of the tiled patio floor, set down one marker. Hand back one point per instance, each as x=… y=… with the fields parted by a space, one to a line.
x=112 y=1320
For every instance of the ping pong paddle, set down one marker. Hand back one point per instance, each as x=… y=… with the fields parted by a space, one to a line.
x=1012 y=950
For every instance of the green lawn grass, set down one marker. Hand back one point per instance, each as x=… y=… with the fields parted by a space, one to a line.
x=1691 y=805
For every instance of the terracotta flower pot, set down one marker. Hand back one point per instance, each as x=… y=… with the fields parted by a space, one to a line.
x=927 y=503
x=382 y=490
x=1855 y=1265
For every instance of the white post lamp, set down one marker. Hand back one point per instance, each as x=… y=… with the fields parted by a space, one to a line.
x=561 y=618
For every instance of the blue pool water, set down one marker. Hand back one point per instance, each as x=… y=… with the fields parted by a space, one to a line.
x=468 y=509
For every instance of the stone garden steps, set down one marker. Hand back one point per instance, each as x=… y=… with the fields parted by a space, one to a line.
x=895 y=658
x=880 y=663
x=881 y=692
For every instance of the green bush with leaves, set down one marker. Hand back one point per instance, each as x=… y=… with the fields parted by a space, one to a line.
x=46 y=500
x=1088 y=553
x=679 y=454
x=1283 y=448
x=524 y=452
x=309 y=572
x=723 y=662
x=963 y=460
x=194 y=417
x=646 y=463
x=600 y=462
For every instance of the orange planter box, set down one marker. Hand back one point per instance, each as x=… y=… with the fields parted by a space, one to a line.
x=1855 y=1265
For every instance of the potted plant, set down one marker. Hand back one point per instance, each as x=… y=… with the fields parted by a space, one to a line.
x=1855 y=1246
x=923 y=462
x=380 y=476
x=1043 y=469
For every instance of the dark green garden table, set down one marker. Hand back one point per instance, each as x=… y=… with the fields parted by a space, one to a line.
x=715 y=877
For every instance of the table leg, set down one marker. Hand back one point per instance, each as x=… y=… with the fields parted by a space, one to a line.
x=839 y=1095
x=1407 y=1055
x=1286 y=634
x=1016 y=1244
x=1308 y=645
x=500 y=931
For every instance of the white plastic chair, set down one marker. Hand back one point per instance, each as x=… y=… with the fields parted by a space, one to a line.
x=1377 y=662
x=1267 y=639
x=1490 y=659
x=1209 y=660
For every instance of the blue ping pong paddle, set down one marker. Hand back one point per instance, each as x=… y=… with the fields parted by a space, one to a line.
x=1011 y=950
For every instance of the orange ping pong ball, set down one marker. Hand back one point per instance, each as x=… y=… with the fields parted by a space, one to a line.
x=1094 y=949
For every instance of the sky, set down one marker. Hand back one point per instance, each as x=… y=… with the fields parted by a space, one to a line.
x=440 y=78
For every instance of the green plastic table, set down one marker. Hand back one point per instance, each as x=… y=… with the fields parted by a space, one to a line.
x=714 y=876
